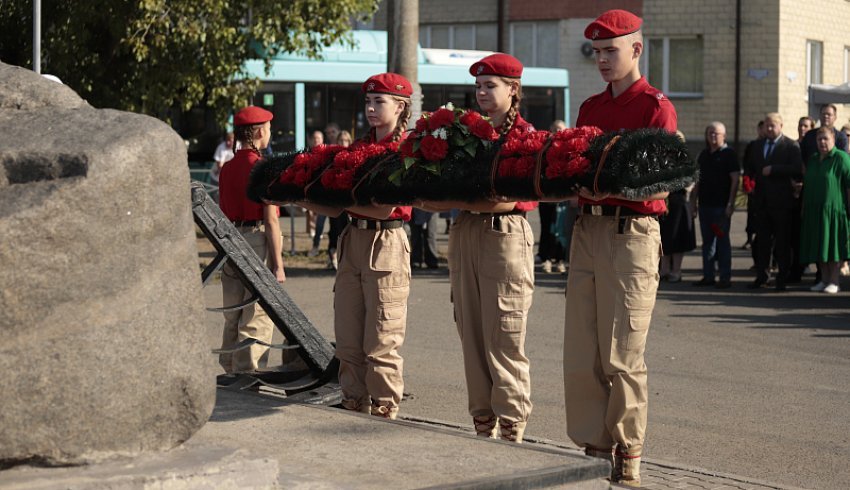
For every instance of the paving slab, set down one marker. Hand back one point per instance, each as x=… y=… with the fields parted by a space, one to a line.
x=323 y=447
x=207 y=467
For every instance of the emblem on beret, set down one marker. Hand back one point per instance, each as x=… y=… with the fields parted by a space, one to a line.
x=399 y=87
x=480 y=69
x=595 y=34
x=371 y=86
x=659 y=96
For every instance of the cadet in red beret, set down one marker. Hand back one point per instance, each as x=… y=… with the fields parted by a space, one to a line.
x=491 y=265
x=609 y=302
x=259 y=225
x=373 y=276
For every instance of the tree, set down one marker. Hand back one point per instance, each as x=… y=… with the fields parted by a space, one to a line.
x=154 y=56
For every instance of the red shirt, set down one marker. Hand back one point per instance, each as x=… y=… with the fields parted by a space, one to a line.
x=525 y=127
x=640 y=106
x=233 y=186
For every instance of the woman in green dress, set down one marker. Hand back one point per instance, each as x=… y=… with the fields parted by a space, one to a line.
x=825 y=236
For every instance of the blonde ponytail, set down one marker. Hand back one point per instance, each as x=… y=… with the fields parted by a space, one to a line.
x=403 y=119
x=510 y=117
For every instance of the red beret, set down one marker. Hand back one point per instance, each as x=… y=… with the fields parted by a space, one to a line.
x=613 y=23
x=252 y=115
x=499 y=64
x=388 y=83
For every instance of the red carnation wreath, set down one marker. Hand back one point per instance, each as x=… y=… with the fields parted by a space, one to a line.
x=566 y=157
x=349 y=166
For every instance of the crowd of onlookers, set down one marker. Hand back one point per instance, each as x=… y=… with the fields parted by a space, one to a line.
x=797 y=200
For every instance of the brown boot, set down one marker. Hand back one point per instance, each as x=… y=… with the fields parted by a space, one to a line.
x=356 y=406
x=485 y=426
x=626 y=469
x=385 y=411
x=606 y=454
x=511 y=431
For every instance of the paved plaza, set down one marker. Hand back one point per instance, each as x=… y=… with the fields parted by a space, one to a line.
x=742 y=382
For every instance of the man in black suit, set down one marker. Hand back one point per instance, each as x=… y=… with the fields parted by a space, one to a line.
x=773 y=168
x=828 y=116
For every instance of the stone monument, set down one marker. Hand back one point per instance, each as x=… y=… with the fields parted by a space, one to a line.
x=101 y=315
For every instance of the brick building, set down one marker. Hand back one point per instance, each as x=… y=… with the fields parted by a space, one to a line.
x=785 y=45
x=690 y=50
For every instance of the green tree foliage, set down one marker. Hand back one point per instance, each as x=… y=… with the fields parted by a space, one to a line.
x=152 y=56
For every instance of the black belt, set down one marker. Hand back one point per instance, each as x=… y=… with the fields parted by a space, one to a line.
x=498 y=215
x=375 y=224
x=606 y=210
x=247 y=222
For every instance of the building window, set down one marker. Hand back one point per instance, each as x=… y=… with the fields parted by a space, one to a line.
x=674 y=65
x=458 y=36
x=535 y=43
x=814 y=62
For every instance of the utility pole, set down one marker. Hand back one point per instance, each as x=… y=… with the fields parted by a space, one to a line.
x=36 y=36
x=402 y=41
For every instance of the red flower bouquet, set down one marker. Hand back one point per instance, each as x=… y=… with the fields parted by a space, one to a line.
x=446 y=156
x=748 y=184
x=566 y=159
x=518 y=161
x=296 y=171
x=348 y=167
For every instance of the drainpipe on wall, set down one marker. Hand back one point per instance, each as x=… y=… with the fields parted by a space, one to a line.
x=502 y=27
x=737 y=71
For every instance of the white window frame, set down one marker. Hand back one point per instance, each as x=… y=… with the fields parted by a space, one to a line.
x=810 y=44
x=665 y=66
x=427 y=29
x=533 y=39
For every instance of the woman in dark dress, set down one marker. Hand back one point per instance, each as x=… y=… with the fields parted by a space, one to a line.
x=677 y=232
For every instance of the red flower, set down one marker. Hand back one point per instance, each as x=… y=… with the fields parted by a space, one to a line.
x=524 y=166
x=441 y=118
x=469 y=118
x=506 y=167
x=748 y=184
x=421 y=124
x=434 y=148
x=577 y=166
x=484 y=130
x=406 y=149
x=718 y=232
x=577 y=145
x=531 y=144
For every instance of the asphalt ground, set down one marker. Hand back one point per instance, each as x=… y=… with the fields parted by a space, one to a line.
x=747 y=384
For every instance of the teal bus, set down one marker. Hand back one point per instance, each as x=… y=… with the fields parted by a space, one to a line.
x=305 y=95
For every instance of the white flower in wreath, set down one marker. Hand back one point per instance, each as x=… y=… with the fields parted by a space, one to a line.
x=449 y=106
x=440 y=133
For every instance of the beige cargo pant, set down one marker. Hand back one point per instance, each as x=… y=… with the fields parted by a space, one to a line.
x=249 y=322
x=492 y=280
x=610 y=296
x=370 y=314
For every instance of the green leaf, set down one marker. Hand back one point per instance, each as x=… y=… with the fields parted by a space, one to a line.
x=160 y=57
x=409 y=162
x=457 y=139
x=471 y=148
x=395 y=177
x=433 y=167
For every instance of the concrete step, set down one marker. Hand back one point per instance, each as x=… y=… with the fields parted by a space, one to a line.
x=322 y=447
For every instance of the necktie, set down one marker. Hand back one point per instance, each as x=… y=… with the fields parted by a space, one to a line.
x=768 y=149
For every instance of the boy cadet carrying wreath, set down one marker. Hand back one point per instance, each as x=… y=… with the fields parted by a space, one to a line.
x=614 y=260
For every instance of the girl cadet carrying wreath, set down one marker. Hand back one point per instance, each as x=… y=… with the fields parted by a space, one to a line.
x=491 y=267
x=373 y=275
